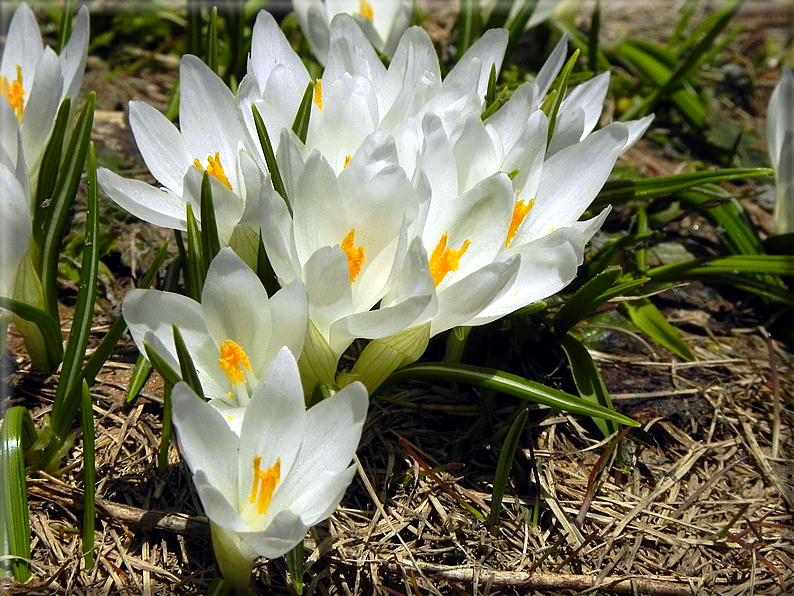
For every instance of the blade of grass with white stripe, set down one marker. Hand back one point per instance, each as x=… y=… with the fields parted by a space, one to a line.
x=506 y=456
x=67 y=399
x=62 y=199
x=212 y=40
x=17 y=433
x=165 y=433
x=65 y=25
x=89 y=476
x=510 y=384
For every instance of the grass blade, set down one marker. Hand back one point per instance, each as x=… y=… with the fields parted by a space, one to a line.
x=502 y=474
x=141 y=374
x=740 y=232
x=295 y=566
x=160 y=365
x=62 y=199
x=186 y=366
x=65 y=25
x=50 y=165
x=588 y=380
x=301 y=124
x=561 y=88
x=770 y=264
x=592 y=45
x=66 y=398
x=165 y=435
x=519 y=23
x=210 y=241
x=89 y=477
x=212 y=40
x=270 y=157
x=469 y=26
x=503 y=382
x=644 y=314
x=582 y=303
x=195 y=269
x=264 y=270
x=687 y=10
x=17 y=433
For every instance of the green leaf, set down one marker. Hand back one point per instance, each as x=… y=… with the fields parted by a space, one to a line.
x=469 y=26
x=506 y=456
x=62 y=199
x=49 y=328
x=65 y=25
x=195 y=267
x=588 y=380
x=50 y=165
x=498 y=15
x=691 y=269
x=67 y=398
x=194 y=26
x=518 y=24
x=561 y=88
x=687 y=10
x=160 y=365
x=644 y=314
x=510 y=384
x=270 y=157
x=210 y=241
x=301 y=124
x=264 y=270
x=740 y=232
x=592 y=46
x=317 y=362
x=17 y=433
x=582 y=303
x=186 y=366
x=89 y=476
x=615 y=191
x=295 y=564
x=140 y=374
x=165 y=433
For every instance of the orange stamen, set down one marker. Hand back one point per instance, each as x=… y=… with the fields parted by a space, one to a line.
x=264 y=484
x=519 y=213
x=443 y=260
x=233 y=359
x=215 y=169
x=355 y=255
x=14 y=93
x=318 y=93
x=347 y=161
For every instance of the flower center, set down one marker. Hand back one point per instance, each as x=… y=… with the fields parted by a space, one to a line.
x=13 y=92
x=355 y=255
x=318 y=93
x=365 y=9
x=215 y=169
x=233 y=360
x=519 y=213
x=443 y=260
x=263 y=484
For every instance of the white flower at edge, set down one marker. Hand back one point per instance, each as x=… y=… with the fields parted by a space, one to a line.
x=211 y=137
x=33 y=82
x=780 y=140
x=232 y=335
x=15 y=226
x=383 y=22
x=286 y=471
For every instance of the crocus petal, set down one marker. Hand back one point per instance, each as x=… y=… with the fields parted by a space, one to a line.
x=162 y=146
x=42 y=105
x=290 y=308
x=23 y=46
x=219 y=506
x=277 y=235
x=350 y=53
x=205 y=441
x=311 y=15
x=73 y=55
x=15 y=225
x=327 y=278
x=280 y=536
x=551 y=69
x=636 y=128
x=485 y=53
x=780 y=115
x=160 y=207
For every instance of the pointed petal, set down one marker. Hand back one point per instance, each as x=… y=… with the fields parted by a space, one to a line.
x=41 y=107
x=280 y=536
x=290 y=308
x=327 y=278
x=23 y=46
x=160 y=207
x=551 y=69
x=15 y=227
x=73 y=55
x=486 y=52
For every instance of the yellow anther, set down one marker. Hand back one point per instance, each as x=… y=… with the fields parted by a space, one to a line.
x=318 y=93
x=355 y=255
x=233 y=360
x=365 y=8
x=443 y=260
x=347 y=161
x=14 y=93
x=264 y=484
x=215 y=169
x=519 y=213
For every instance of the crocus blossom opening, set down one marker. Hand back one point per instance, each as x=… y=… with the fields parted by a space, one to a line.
x=520 y=212
x=13 y=92
x=355 y=255
x=215 y=169
x=233 y=360
x=443 y=260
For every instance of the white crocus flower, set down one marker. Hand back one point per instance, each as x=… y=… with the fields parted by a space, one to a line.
x=232 y=335
x=211 y=138
x=33 y=82
x=346 y=238
x=286 y=471
x=780 y=140
x=383 y=22
x=15 y=227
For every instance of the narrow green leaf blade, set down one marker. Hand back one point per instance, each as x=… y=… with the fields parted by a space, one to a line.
x=186 y=366
x=270 y=157
x=588 y=380
x=644 y=314
x=160 y=365
x=300 y=126
x=582 y=303
x=50 y=165
x=210 y=241
x=510 y=384
x=561 y=88
x=49 y=328
x=469 y=26
x=212 y=40
x=89 y=476
x=195 y=267
x=506 y=456
x=140 y=374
